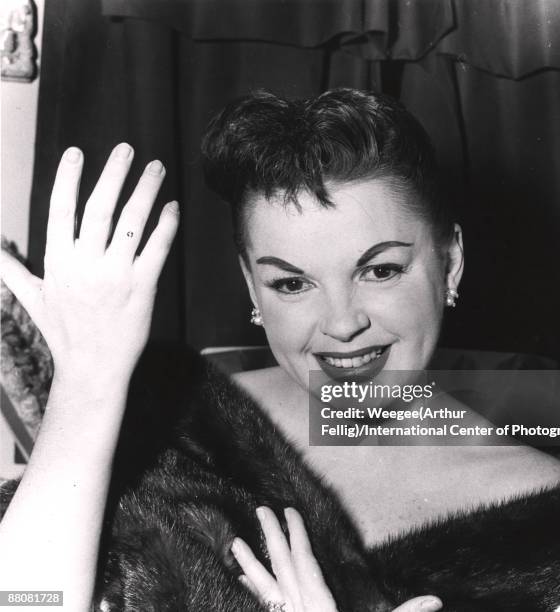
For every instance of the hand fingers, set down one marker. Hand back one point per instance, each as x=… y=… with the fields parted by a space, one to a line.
x=98 y=214
x=305 y=563
x=133 y=218
x=62 y=211
x=280 y=554
x=312 y=585
x=299 y=543
x=21 y=283
x=299 y=582
x=249 y=586
x=257 y=578
x=420 y=604
x=150 y=262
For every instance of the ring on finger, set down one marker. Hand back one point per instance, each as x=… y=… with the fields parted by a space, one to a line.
x=274 y=606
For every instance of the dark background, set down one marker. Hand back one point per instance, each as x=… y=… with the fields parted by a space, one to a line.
x=483 y=76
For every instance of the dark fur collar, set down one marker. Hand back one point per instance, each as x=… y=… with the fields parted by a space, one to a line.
x=196 y=457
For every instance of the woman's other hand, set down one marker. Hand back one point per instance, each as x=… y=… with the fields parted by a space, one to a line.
x=297 y=584
x=95 y=302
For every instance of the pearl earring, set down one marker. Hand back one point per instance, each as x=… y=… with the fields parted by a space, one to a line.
x=256 y=317
x=451 y=298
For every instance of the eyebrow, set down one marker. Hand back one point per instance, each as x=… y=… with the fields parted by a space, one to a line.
x=369 y=254
x=279 y=263
x=379 y=248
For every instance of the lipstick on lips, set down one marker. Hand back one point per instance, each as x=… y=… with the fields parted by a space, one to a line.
x=363 y=364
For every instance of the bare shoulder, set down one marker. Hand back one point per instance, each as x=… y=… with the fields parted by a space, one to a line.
x=256 y=381
x=531 y=466
x=268 y=386
x=279 y=396
x=508 y=471
x=505 y=470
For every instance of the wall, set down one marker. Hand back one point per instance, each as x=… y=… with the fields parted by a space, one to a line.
x=18 y=127
x=19 y=113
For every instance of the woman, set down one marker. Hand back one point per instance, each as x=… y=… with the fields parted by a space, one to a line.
x=300 y=176
x=350 y=253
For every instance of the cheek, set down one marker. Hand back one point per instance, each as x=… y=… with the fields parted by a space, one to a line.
x=288 y=325
x=422 y=313
x=411 y=311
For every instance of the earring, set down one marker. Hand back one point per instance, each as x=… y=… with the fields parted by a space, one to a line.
x=256 y=317
x=451 y=298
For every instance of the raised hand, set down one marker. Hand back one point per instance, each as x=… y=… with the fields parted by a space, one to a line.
x=95 y=302
x=93 y=307
x=297 y=584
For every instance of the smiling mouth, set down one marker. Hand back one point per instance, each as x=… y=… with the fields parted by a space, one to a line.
x=354 y=359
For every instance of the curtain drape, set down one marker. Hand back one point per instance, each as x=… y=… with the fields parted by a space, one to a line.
x=483 y=76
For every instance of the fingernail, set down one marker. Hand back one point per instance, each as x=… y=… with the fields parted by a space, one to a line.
x=123 y=151
x=234 y=546
x=431 y=605
x=244 y=580
x=261 y=514
x=173 y=206
x=73 y=155
x=155 y=167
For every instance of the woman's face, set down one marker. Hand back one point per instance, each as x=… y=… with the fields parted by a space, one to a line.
x=351 y=289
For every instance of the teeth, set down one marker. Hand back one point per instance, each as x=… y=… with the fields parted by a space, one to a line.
x=354 y=362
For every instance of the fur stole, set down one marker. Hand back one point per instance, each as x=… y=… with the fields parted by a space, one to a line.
x=196 y=457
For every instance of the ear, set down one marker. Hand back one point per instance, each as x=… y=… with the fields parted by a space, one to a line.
x=455 y=259
x=249 y=280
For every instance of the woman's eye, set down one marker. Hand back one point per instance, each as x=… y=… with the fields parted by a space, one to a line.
x=382 y=272
x=290 y=285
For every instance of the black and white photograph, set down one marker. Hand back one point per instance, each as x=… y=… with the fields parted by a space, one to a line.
x=280 y=300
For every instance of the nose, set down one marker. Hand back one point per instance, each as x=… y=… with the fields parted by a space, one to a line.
x=344 y=319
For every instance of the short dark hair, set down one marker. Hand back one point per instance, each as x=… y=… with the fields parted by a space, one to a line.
x=265 y=144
